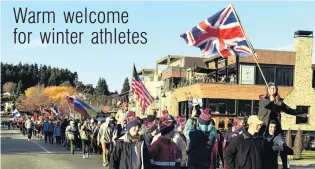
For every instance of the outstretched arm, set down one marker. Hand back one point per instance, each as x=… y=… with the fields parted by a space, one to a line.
x=288 y=110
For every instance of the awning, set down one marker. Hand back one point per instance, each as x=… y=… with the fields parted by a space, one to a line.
x=203 y=70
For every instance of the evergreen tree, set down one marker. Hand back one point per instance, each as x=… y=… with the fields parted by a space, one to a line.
x=102 y=88
x=126 y=86
x=19 y=87
x=52 y=80
x=298 y=145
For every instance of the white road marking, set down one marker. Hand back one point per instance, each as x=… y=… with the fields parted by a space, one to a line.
x=41 y=147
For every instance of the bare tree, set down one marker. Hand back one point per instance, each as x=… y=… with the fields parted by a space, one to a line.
x=9 y=87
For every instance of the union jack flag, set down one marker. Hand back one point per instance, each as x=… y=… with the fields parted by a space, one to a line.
x=220 y=34
x=142 y=94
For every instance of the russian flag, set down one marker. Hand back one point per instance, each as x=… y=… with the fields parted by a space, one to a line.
x=58 y=112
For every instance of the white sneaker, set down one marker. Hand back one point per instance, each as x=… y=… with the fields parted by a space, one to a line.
x=83 y=157
x=28 y=139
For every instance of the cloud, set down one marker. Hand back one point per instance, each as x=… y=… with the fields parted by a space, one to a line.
x=34 y=44
x=289 y=47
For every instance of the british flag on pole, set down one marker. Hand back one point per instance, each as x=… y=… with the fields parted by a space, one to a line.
x=221 y=34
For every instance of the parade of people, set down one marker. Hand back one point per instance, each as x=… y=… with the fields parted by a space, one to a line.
x=233 y=110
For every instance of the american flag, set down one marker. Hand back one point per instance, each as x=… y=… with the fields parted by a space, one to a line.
x=220 y=34
x=142 y=94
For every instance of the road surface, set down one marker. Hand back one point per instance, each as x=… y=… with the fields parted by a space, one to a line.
x=18 y=153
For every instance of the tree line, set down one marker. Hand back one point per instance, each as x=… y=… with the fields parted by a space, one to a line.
x=18 y=78
x=28 y=75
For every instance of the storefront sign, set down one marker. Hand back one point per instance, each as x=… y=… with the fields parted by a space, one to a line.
x=247 y=74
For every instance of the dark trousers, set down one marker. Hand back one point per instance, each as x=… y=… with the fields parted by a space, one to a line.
x=95 y=147
x=58 y=140
x=78 y=143
x=85 y=146
x=29 y=133
x=63 y=138
x=50 y=138
x=45 y=135
x=24 y=131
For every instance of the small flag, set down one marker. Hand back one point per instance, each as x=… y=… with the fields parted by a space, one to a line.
x=69 y=99
x=16 y=114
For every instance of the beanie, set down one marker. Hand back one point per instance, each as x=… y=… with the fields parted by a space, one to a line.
x=131 y=114
x=166 y=128
x=204 y=118
x=272 y=84
x=272 y=122
x=133 y=122
x=150 y=118
x=151 y=127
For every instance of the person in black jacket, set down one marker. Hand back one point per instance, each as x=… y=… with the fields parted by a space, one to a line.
x=270 y=107
x=247 y=150
x=131 y=151
x=275 y=144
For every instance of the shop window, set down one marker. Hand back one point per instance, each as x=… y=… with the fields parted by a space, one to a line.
x=183 y=109
x=304 y=109
x=269 y=73
x=230 y=106
x=244 y=107
x=221 y=123
x=214 y=105
x=284 y=76
x=256 y=107
x=220 y=106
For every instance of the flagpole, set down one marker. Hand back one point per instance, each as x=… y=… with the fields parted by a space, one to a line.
x=133 y=96
x=250 y=45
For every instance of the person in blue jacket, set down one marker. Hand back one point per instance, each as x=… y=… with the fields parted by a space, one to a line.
x=45 y=130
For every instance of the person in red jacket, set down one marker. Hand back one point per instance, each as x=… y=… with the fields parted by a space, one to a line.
x=164 y=153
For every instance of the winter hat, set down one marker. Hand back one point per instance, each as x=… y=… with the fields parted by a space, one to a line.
x=131 y=114
x=205 y=117
x=272 y=84
x=134 y=121
x=166 y=128
x=181 y=122
x=165 y=112
x=273 y=122
x=150 y=118
x=152 y=126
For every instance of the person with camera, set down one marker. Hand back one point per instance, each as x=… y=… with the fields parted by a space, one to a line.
x=270 y=107
x=201 y=136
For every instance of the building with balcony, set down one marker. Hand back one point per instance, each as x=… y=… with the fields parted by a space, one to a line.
x=231 y=87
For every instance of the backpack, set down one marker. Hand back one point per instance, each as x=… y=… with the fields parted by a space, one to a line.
x=83 y=135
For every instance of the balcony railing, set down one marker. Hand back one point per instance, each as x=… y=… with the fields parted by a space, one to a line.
x=173 y=72
x=222 y=80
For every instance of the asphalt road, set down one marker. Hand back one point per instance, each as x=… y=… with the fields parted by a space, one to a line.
x=18 y=153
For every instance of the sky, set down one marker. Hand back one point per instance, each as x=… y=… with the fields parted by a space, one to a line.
x=268 y=25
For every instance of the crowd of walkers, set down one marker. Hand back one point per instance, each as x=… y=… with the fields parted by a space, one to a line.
x=129 y=142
